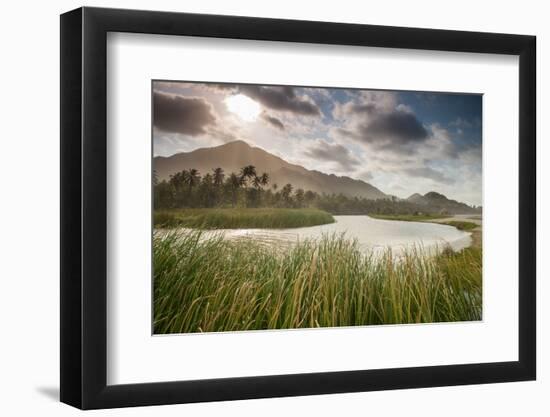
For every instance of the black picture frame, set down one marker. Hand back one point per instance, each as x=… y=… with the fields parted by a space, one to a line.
x=84 y=207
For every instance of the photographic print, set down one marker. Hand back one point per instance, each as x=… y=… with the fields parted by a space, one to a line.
x=289 y=207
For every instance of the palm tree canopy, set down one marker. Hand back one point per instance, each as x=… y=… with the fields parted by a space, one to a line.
x=264 y=179
x=218 y=176
x=234 y=180
x=256 y=182
x=287 y=190
x=248 y=171
x=179 y=178
x=193 y=177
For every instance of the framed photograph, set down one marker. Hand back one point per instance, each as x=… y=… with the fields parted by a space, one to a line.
x=257 y=208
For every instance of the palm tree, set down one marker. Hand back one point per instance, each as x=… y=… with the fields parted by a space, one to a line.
x=218 y=176
x=286 y=191
x=264 y=179
x=177 y=182
x=206 y=192
x=276 y=194
x=234 y=182
x=299 y=194
x=192 y=178
x=256 y=182
x=178 y=179
x=248 y=172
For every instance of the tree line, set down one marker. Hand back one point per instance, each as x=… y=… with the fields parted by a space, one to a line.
x=248 y=188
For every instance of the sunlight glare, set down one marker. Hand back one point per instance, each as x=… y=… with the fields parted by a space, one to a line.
x=243 y=106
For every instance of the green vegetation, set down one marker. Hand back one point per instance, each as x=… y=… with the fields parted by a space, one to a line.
x=205 y=283
x=250 y=189
x=409 y=217
x=211 y=284
x=227 y=218
x=461 y=225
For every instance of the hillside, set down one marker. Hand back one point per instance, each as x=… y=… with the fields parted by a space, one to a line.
x=436 y=202
x=234 y=155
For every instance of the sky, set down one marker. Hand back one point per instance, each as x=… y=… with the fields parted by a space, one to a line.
x=402 y=142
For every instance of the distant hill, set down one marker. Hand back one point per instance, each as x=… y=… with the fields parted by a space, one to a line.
x=436 y=202
x=417 y=199
x=233 y=156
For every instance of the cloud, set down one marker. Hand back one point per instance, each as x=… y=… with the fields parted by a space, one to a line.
x=398 y=127
x=334 y=153
x=429 y=173
x=459 y=122
x=186 y=115
x=394 y=140
x=273 y=121
x=445 y=144
x=384 y=125
x=281 y=99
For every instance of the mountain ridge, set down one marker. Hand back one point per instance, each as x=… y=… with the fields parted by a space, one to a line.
x=234 y=155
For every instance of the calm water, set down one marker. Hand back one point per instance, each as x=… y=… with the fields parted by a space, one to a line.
x=371 y=234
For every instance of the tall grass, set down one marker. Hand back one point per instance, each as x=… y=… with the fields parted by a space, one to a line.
x=211 y=284
x=226 y=218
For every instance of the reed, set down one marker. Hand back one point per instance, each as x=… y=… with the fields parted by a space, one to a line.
x=211 y=284
x=228 y=218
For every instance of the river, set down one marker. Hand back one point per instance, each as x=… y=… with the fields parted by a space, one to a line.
x=372 y=235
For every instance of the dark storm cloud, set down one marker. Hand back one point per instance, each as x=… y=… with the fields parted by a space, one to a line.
x=187 y=115
x=398 y=126
x=333 y=153
x=386 y=128
x=273 y=121
x=430 y=173
x=280 y=99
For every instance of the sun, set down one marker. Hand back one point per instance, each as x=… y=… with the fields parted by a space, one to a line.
x=243 y=106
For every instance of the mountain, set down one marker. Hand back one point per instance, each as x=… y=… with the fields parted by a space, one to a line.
x=416 y=198
x=233 y=156
x=436 y=202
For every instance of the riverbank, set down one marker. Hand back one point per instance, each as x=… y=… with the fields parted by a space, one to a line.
x=475 y=226
x=240 y=218
x=408 y=217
